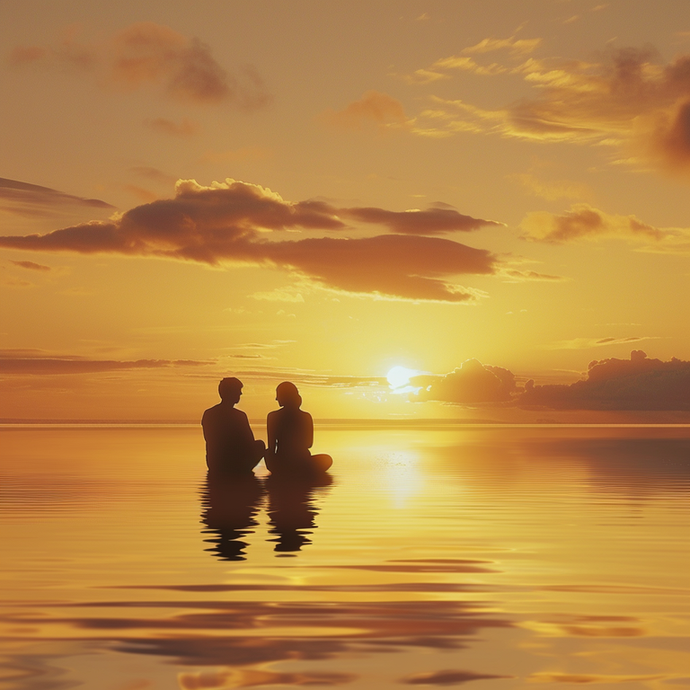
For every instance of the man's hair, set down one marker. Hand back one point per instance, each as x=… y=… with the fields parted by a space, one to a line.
x=229 y=386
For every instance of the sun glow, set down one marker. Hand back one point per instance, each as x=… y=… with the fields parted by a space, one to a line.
x=400 y=376
x=399 y=379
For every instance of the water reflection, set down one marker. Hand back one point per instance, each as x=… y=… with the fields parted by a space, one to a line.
x=291 y=510
x=230 y=509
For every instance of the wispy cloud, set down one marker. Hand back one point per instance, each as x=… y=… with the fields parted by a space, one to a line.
x=374 y=108
x=624 y=98
x=588 y=343
x=36 y=363
x=463 y=62
x=149 y=55
x=583 y=222
x=30 y=265
x=24 y=199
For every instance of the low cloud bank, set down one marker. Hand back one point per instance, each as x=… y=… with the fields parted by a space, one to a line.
x=638 y=383
x=239 y=223
x=472 y=382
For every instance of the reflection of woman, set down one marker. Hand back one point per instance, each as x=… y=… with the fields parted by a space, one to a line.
x=291 y=435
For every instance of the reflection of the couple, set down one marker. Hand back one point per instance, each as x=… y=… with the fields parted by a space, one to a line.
x=230 y=506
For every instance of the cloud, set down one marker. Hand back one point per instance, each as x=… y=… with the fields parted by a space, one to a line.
x=34 y=364
x=586 y=343
x=520 y=46
x=615 y=384
x=24 y=199
x=585 y=222
x=236 y=222
x=624 y=98
x=185 y=129
x=145 y=55
x=30 y=265
x=470 y=383
x=441 y=68
x=515 y=275
x=416 y=222
x=374 y=108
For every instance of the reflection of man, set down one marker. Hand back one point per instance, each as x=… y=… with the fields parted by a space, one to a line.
x=230 y=444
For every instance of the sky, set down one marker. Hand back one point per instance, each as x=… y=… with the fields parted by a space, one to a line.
x=420 y=209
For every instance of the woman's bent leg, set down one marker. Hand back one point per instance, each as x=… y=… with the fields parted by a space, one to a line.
x=321 y=462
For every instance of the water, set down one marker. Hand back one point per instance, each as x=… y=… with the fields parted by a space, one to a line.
x=497 y=557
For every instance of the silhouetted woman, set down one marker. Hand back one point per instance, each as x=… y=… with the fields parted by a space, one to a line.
x=291 y=435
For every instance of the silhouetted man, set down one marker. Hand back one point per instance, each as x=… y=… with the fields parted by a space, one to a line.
x=230 y=444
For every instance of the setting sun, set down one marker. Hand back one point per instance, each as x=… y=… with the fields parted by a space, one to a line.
x=400 y=376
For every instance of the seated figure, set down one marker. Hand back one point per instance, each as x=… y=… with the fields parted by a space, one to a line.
x=230 y=444
x=291 y=435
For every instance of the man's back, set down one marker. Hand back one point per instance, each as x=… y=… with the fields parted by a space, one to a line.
x=229 y=438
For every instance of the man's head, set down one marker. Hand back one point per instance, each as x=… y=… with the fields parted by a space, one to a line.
x=230 y=390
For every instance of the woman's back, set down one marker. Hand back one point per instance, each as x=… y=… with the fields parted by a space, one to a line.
x=291 y=435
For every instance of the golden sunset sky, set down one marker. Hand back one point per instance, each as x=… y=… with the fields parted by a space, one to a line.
x=323 y=191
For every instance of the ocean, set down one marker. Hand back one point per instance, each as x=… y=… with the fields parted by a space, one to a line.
x=493 y=556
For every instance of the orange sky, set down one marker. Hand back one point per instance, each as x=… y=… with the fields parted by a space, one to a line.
x=322 y=191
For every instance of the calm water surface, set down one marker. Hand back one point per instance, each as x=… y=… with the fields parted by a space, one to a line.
x=494 y=557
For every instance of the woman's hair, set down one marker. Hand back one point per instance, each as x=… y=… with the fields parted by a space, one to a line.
x=287 y=393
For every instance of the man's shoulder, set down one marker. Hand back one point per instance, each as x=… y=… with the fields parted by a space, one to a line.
x=212 y=411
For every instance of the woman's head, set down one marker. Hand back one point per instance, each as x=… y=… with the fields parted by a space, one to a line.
x=287 y=395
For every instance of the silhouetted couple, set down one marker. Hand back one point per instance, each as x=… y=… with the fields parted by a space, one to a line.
x=232 y=449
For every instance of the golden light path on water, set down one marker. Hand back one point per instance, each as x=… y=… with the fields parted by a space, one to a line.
x=501 y=557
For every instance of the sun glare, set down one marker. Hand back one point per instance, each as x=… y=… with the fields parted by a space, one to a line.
x=400 y=376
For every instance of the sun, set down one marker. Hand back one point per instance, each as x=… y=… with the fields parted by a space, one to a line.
x=399 y=377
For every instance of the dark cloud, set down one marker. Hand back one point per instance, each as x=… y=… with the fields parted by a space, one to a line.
x=228 y=222
x=36 y=365
x=24 y=199
x=470 y=383
x=30 y=265
x=616 y=384
x=147 y=54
